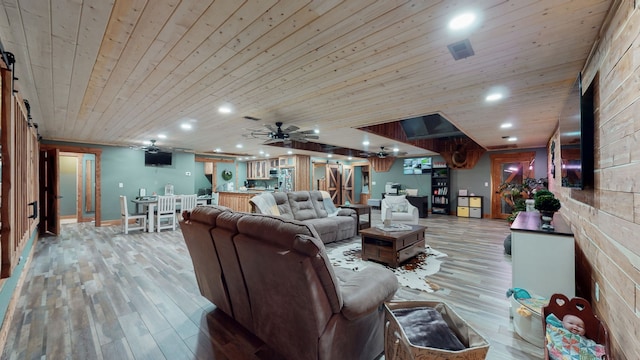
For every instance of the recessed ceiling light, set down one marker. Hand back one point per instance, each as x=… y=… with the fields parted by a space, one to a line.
x=506 y=126
x=289 y=152
x=365 y=143
x=239 y=146
x=266 y=155
x=330 y=155
x=162 y=136
x=217 y=150
x=186 y=126
x=395 y=149
x=512 y=138
x=462 y=21
x=225 y=109
x=316 y=131
x=349 y=158
x=494 y=97
x=261 y=152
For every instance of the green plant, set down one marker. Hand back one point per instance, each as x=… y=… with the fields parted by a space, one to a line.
x=547 y=203
x=542 y=192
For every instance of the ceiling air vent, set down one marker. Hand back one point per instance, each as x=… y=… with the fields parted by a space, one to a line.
x=251 y=118
x=461 y=49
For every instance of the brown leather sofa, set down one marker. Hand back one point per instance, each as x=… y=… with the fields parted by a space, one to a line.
x=309 y=207
x=273 y=276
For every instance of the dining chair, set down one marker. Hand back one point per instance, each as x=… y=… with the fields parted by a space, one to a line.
x=166 y=213
x=140 y=219
x=188 y=202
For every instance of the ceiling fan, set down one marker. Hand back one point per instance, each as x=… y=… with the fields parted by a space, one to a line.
x=383 y=153
x=275 y=134
x=152 y=148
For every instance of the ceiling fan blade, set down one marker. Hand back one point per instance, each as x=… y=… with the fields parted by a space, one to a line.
x=273 y=141
x=312 y=137
x=307 y=132
x=291 y=128
x=271 y=128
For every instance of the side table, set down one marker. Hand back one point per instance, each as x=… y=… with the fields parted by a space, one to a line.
x=360 y=211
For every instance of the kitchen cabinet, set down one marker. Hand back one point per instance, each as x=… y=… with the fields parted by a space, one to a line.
x=208 y=168
x=260 y=169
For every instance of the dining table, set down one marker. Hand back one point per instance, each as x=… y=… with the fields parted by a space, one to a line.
x=148 y=204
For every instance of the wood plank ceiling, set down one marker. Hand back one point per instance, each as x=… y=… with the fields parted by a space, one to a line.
x=121 y=72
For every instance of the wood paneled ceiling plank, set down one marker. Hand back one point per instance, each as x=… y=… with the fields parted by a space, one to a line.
x=39 y=51
x=149 y=24
x=15 y=41
x=89 y=37
x=197 y=94
x=204 y=100
x=65 y=21
x=326 y=57
x=173 y=30
x=124 y=17
x=220 y=24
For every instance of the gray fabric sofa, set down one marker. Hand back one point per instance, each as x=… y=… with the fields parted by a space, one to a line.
x=273 y=276
x=309 y=207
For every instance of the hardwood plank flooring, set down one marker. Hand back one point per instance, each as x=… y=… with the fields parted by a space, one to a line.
x=95 y=293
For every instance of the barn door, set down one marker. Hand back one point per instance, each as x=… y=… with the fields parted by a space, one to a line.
x=334 y=183
x=49 y=192
x=347 y=184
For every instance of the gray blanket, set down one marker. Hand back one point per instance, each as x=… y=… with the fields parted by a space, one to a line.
x=425 y=327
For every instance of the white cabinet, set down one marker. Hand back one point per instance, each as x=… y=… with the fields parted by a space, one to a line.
x=543 y=262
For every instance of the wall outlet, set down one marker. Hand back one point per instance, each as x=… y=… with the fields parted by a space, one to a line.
x=486 y=184
x=120 y=185
x=597 y=291
x=188 y=173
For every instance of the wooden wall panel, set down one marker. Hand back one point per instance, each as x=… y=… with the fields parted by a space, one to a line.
x=606 y=229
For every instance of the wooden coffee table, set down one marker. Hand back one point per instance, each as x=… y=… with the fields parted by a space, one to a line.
x=392 y=247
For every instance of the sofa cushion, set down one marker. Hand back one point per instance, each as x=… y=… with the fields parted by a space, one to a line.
x=402 y=216
x=282 y=200
x=317 y=198
x=301 y=205
x=327 y=228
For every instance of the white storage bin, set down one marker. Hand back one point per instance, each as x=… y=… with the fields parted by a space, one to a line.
x=527 y=318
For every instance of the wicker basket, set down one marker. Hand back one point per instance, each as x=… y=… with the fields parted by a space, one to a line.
x=398 y=347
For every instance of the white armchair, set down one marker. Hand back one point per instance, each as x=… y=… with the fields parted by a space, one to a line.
x=399 y=210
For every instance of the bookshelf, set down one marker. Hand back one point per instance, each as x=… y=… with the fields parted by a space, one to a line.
x=440 y=184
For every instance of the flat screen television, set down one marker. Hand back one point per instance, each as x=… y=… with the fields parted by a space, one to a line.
x=160 y=158
x=416 y=166
x=577 y=137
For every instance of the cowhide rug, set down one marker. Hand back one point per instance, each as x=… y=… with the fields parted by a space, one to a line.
x=413 y=273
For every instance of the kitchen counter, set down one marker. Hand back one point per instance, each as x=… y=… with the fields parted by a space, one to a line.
x=237 y=200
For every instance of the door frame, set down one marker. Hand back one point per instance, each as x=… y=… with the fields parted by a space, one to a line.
x=497 y=160
x=97 y=191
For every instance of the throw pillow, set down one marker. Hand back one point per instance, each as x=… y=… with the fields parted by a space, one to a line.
x=400 y=207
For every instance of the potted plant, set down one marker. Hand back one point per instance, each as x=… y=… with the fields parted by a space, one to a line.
x=542 y=192
x=547 y=204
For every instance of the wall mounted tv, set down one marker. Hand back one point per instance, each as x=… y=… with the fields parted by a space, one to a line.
x=416 y=166
x=577 y=137
x=160 y=158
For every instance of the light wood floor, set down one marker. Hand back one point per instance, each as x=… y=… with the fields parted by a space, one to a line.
x=95 y=293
